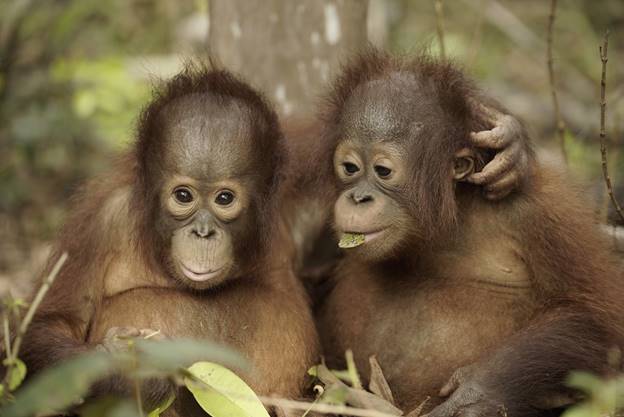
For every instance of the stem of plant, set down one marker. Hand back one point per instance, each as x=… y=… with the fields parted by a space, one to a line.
x=352 y=370
x=136 y=380
x=553 y=83
x=603 y=111
x=36 y=302
x=13 y=353
x=7 y=336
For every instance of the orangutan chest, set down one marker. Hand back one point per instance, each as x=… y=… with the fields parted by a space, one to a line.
x=421 y=334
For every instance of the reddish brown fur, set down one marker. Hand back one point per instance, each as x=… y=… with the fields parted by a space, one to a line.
x=113 y=276
x=526 y=288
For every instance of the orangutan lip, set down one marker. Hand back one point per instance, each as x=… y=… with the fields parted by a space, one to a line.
x=199 y=276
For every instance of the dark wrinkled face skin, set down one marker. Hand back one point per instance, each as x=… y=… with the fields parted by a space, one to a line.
x=206 y=205
x=382 y=122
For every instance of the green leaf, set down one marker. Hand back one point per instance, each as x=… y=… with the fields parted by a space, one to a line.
x=586 y=382
x=17 y=373
x=61 y=386
x=109 y=407
x=170 y=355
x=351 y=240
x=223 y=393
x=335 y=394
x=156 y=412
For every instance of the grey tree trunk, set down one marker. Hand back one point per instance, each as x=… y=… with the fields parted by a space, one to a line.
x=289 y=49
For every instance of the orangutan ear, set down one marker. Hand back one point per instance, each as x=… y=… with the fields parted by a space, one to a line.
x=463 y=164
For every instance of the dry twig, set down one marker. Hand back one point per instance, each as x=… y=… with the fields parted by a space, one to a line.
x=603 y=110
x=322 y=408
x=551 y=78
x=439 y=10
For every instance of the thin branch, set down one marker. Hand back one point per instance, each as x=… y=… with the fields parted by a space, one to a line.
x=35 y=304
x=551 y=78
x=322 y=408
x=439 y=10
x=7 y=335
x=312 y=404
x=603 y=111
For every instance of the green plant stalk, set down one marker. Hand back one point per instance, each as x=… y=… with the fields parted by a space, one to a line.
x=36 y=302
x=28 y=318
x=7 y=336
x=352 y=370
x=135 y=379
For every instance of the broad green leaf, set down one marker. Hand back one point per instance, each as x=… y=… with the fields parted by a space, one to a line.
x=17 y=373
x=110 y=407
x=156 y=412
x=61 y=386
x=170 y=355
x=351 y=240
x=221 y=393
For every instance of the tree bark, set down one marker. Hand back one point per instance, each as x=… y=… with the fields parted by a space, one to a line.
x=289 y=49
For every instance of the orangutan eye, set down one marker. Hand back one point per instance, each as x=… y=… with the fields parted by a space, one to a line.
x=350 y=168
x=382 y=171
x=183 y=195
x=224 y=198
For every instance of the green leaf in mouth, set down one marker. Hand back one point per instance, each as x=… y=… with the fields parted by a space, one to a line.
x=351 y=240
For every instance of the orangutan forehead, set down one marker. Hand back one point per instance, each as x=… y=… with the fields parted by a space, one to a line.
x=208 y=136
x=389 y=109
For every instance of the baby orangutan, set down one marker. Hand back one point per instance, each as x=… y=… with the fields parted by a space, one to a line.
x=182 y=237
x=486 y=306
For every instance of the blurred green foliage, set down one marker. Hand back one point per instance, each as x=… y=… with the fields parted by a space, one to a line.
x=69 y=96
x=502 y=43
x=61 y=387
x=603 y=397
x=103 y=94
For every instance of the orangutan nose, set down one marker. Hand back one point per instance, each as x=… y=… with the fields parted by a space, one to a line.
x=360 y=197
x=204 y=225
x=203 y=231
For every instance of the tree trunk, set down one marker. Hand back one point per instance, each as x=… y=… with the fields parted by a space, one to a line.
x=289 y=49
